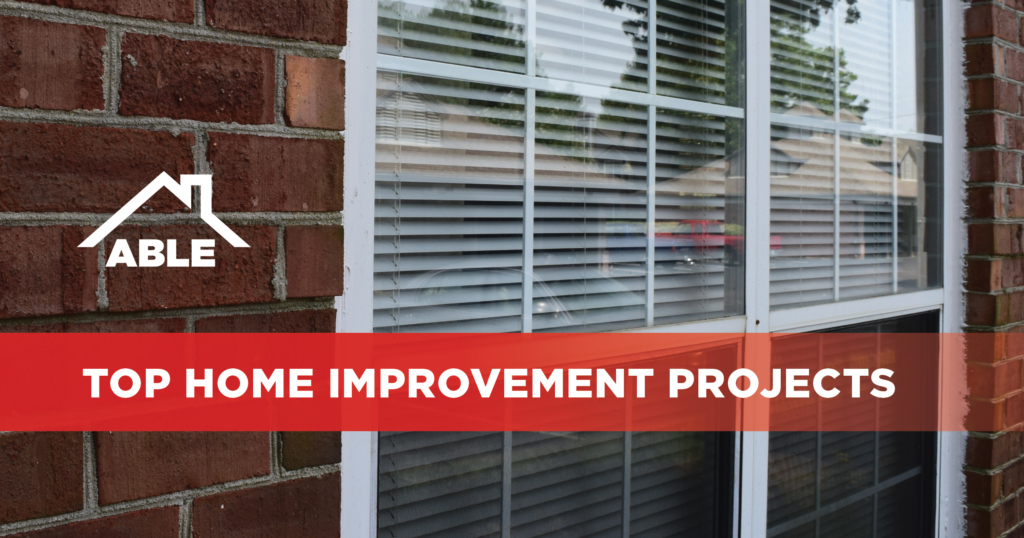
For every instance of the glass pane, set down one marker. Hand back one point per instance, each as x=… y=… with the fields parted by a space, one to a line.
x=699 y=211
x=439 y=484
x=487 y=34
x=570 y=481
x=561 y=484
x=802 y=217
x=919 y=215
x=825 y=484
x=699 y=50
x=590 y=215
x=865 y=63
x=599 y=42
x=803 y=58
x=449 y=210
x=865 y=217
x=918 y=66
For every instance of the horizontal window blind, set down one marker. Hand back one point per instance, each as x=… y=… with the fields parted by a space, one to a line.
x=836 y=69
x=557 y=484
x=449 y=206
x=590 y=213
x=593 y=41
x=487 y=34
x=697 y=44
x=802 y=216
x=803 y=62
x=699 y=235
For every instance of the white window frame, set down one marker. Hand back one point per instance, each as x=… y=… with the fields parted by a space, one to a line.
x=355 y=307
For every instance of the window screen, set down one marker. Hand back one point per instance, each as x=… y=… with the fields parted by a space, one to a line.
x=528 y=484
x=854 y=484
x=856 y=160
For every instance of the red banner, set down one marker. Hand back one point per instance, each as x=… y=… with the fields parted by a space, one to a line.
x=464 y=382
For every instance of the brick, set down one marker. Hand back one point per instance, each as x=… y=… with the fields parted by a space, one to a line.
x=155 y=523
x=984 y=523
x=984 y=275
x=984 y=489
x=306 y=508
x=172 y=325
x=1013 y=478
x=985 y=59
x=990 y=93
x=167 y=10
x=987 y=453
x=985 y=130
x=994 y=380
x=50 y=65
x=999 y=239
x=985 y=415
x=136 y=465
x=986 y=347
x=40 y=475
x=986 y=202
x=994 y=310
x=990 y=21
x=241 y=275
x=314 y=257
x=308 y=20
x=1013 y=272
x=315 y=95
x=1015 y=203
x=1015 y=409
x=305 y=321
x=43 y=272
x=259 y=173
x=165 y=77
x=993 y=166
x=47 y=167
x=310 y=449
x=1015 y=133
x=1014 y=64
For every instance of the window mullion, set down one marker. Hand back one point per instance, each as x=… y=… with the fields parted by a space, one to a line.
x=652 y=139
x=837 y=107
x=528 y=197
x=895 y=150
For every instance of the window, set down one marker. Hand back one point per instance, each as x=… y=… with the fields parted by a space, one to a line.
x=532 y=176
x=586 y=165
x=856 y=156
x=542 y=484
x=853 y=483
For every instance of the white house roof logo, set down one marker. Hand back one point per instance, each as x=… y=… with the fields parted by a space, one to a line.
x=183 y=191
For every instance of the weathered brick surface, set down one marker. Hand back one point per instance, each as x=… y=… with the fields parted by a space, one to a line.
x=306 y=508
x=315 y=95
x=242 y=275
x=155 y=523
x=43 y=272
x=166 y=77
x=309 y=20
x=304 y=321
x=314 y=256
x=171 y=325
x=261 y=173
x=40 y=475
x=50 y=65
x=990 y=20
x=310 y=449
x=48 y=167
x=138 y=465
x=168 y=10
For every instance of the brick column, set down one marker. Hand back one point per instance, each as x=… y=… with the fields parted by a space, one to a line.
x=994 y=465
x=97 y=97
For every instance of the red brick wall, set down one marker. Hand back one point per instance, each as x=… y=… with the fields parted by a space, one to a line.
x=994 y=466
x=97 y=97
